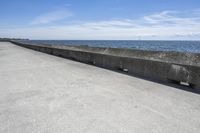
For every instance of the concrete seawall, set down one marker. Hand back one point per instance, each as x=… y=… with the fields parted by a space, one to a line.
x=163 y=66
x=45 y=93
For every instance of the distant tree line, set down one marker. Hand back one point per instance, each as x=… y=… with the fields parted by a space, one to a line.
x=9 y=39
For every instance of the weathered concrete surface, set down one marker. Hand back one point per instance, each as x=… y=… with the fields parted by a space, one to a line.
x=40 y=93
x=157 y=65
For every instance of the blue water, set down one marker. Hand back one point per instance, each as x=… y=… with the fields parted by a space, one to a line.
x=181 y=46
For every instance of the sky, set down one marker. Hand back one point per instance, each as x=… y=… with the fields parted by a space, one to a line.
x=100 y=19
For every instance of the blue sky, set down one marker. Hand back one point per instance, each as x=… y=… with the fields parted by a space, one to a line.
x=101 y=19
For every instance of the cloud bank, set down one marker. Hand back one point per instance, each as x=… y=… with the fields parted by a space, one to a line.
x=168 y=25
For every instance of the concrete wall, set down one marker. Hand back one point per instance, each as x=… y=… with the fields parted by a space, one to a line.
x=164 y=66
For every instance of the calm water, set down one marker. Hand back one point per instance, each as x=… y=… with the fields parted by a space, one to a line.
x=181 y=46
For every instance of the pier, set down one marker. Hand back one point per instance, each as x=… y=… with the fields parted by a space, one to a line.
x=41 y=92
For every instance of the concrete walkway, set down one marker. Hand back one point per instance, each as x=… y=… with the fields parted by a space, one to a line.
x=40 y=93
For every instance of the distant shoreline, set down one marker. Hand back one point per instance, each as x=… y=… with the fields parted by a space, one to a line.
x=152 y=45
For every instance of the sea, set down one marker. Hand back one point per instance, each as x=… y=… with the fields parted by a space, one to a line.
x=180 y=46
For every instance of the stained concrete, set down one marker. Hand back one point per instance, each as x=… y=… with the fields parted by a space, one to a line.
x=40 y=93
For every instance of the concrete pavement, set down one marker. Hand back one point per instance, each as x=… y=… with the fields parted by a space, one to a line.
x=40 y=93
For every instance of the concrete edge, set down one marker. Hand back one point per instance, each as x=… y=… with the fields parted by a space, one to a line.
x=154 y=69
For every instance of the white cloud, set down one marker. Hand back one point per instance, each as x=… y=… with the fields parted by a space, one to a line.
x=173 y=18
x=163 y=25
x=51 y=17
x=157 y=18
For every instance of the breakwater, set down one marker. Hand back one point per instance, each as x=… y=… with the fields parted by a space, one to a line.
x=156 y=45
x=175 y=67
